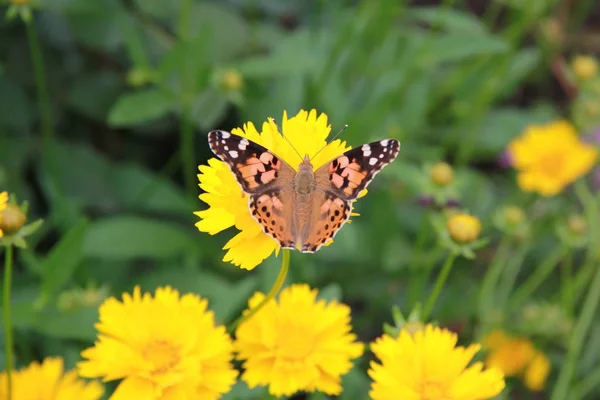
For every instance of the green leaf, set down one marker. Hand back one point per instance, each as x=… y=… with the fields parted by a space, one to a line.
x=93 y=94
x=447 y=18
x=78 y=324
x=16 y=110
x=130 y=237
x=453 y=47
x=141 y=106
x=226 y=299
x=63 y=259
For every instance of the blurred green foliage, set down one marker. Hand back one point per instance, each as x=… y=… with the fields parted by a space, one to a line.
x=108 y=155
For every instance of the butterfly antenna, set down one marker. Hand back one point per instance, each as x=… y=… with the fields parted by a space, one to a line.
x=288 y=140
x=332 y=139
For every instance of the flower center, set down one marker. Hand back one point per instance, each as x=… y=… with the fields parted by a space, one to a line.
x=296 y=344
x=162 y=354
x=432 y=390
x=552 y=164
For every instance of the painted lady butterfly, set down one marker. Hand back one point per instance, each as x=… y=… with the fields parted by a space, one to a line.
x=305 y=209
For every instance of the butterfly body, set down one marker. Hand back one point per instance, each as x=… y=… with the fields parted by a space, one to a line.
x=301 y=209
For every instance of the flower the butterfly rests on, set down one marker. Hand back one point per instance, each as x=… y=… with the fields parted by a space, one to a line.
x=293 y=192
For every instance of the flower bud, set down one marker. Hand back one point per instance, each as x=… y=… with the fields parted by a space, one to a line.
x=584 y=67
x=12 y=218
x=513 y=215
x=441 y=173
x=577 y=224
x=231 y=80
x=463 y=228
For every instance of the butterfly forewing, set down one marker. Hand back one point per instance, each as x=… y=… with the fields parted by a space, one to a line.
x=254 y=167
x=350 y=173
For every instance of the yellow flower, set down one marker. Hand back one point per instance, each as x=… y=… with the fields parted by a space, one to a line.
x=46 y=381
x=3 y=201
x=228 y=204
x=512 y=356
x=166 y=347
x=517 y=357
x=297 y=344
x=441 y=173
x=550 y=157
x=537 y=372
x=428 y=365
x=463 y=228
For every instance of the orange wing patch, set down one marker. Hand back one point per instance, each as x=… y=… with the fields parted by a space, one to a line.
x=268 y=210
x=330 y=217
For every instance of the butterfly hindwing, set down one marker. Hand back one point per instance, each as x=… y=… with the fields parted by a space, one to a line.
x=254 y=167
x=332 y=214
x=350 y=173
x=269 y=210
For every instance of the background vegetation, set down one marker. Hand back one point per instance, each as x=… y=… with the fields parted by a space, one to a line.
x=105 y=107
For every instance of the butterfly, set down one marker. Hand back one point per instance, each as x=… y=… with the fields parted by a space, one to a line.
x=301 y=209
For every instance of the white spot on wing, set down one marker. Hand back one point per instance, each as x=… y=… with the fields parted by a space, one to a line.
x=381 y=155
x=384 y=142
x=372 y=161
x=233 y=154
x=226 y=147
x=225 y=135
x=242 y=146
x=366 y=150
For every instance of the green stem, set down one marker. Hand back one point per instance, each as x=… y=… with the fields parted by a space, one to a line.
x=509 y=277
x=488 y=292
x=187 y=129
x=40 y=82
x=538 y=277
x=587 y=385
x=420 y=273
x=567 y=283
x=582 y=326
x=6 y=308
x=592 y=212
x=285 y=266
x=439 y=284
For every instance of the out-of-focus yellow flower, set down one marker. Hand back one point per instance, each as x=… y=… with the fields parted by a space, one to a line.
x=537 y=372
x=584 y=67
x=297 y=344
x=3 y=202
x=517 y=356
x=427 y=365
x=48 y=381
x=463 y=228
x=512 y=356
x=228 y=204
x=550 y=157
x=166 y=347
x=441 y=173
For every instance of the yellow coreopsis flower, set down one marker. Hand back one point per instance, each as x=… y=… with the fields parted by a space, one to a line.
x=517 y=356
x=463 y=228
x=550 y=157
x=166 y=347
x=48 y=381
x=297 y=344
x=427 y=365
x=537 y=372
x=3 y=201
x=512 y=356
x=228 y=204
